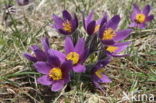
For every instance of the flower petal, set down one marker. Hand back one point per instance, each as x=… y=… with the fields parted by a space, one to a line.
x=75 y=22
x=142 y=26
x=121 y=46
x=98 y=22
x=88 y=19
x=91 y=27
x=42 y=67
x=68 y=46
x=80 y=46
x=122 y=34
x=53 y=61
x=136 y=8
x=90 y=16
x=45 y=44
x=146 y=10
x=40 y=55
x=57 y=86
x=104 y=20
x=84 y=55
x=102 y=63
x=105 y=79
x=79 y=68
x=113 y=23
x=58 y=54
x=97 y=85
x=101 y=31
x=57 y=22
x=29 y=57
x=133 y=24
x=44 y=80
x=66 y=66
x=108 y=42
x=150 y=18
x=34 y=47
x=66 y=15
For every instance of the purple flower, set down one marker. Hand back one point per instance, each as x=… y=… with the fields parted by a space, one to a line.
x=91 y=26
x=108 y=33
x=55 y=73
x=115 y=49
x=39 y=54
x=23 y=2
x=140 y=17
x=66 y=25
x=77 y=54
x=98 y=75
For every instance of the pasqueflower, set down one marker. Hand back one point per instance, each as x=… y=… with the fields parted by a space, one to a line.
x=66 y=25
x=55 y=73
x=98 y=71
x=109 y=34
x=92 y=26
x=38 y=53
x=115 y=49
x=77 y=54
x=139 y=17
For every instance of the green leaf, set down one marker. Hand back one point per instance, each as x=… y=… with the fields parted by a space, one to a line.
x=151 y=62
x=2 y=43
x=20 y=74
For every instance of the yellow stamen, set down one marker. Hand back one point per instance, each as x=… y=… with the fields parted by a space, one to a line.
x=74 y=57
x=111 y=48
x=140 y=18
x=97 y=27
x=67 y=26
x=56 y=73
x=108 y=34
x=99 y=72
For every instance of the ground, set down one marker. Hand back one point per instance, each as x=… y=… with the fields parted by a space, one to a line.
x=132 y=74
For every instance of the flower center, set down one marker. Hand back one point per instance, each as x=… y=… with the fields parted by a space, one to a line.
x=67 y=26
x=140 y=18
x=74 y=57
x=99 y=72
x=108 y=34
x=55 y=73
x=111 y=48
x=97 y=27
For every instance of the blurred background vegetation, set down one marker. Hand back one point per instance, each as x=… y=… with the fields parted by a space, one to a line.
x=22 y=26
